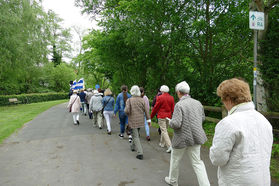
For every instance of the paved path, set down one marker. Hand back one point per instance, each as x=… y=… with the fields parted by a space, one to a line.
x=50 y=150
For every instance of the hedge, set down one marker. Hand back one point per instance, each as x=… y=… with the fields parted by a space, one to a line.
x=33 y=98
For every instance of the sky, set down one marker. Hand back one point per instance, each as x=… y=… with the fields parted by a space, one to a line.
x=72 y=16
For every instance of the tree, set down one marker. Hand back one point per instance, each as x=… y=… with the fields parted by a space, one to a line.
x=59 y=38
x=266 y=7
x=151 y=43
x=269 y=51
x=26 y=39
x=22 y=46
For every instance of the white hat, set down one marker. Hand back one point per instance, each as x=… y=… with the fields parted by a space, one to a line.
x=95 y=92
x=164 y=88
x=183 y=87
x=75 y=91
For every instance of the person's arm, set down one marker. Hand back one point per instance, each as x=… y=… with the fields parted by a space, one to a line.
x=146 y=102
x=147 y=115
x=103 y=101
x=156 y=107
x=154 y=101
x=91 y=104
x=176 y=120
x=222 y=145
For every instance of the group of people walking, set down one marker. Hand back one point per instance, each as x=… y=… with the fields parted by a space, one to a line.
x=241 y=145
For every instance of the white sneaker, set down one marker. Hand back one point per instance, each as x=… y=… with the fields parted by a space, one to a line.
x=168 y=181
x=169 y=150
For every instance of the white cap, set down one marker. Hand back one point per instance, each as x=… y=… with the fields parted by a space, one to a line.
x=95 y=92
x=182 y=87
x=164 y=88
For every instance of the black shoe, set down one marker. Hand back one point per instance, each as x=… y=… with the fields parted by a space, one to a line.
x=100 y=128
x=140 y=157
x=77 y=122
x=121 y=136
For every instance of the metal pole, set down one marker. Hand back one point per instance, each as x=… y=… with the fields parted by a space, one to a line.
x=255 y=68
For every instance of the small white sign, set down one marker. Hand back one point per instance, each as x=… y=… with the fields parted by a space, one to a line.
x=256 y=20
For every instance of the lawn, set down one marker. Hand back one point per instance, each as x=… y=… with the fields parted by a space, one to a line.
x=13 y=117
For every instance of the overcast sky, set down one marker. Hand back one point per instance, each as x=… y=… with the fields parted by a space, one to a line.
x=71 y=15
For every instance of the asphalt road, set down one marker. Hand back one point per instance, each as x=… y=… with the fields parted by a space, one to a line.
x=51 y=151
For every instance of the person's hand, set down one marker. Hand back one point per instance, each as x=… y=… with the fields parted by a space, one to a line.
x=149 y=124
x=114 y=115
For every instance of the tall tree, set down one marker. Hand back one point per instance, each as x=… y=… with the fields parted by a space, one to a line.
x=151 y=43
x=59 y=38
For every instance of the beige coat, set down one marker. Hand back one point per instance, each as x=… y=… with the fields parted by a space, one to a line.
x=75 y=102
x=136 y=109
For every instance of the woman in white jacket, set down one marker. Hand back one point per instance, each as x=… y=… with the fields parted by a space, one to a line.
x=74 y=106
x=243 y=140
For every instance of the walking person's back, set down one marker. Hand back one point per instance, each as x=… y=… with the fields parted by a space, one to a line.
x=119 y=107
x=96 y=107
x=108 y=103
x=164 y=108
x=82 y=96
x=74 y=106
x=188 y=136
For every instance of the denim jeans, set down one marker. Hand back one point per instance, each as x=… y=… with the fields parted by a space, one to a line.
x=146 y=127
x=83 y=105
x=123 y=121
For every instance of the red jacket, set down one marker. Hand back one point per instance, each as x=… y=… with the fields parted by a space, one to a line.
x=164 y=106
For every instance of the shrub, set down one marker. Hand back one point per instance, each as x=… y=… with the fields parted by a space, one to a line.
x=33 y=98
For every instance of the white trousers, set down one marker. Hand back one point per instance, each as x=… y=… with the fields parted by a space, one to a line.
x=75 y=117
x=108 y=115
x=193 y=152
x=165 y=139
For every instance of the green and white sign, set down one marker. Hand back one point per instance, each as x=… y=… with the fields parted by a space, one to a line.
x=256 y=20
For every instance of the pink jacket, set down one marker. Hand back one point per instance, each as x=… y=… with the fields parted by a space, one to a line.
x=75 y=102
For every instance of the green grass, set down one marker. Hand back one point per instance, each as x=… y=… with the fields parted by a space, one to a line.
x=13 y=117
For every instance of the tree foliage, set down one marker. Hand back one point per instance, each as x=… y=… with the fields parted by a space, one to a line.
x=270 y=59
x=151 y=43
x=27 y=34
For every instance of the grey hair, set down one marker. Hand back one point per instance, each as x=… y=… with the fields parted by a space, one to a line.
x=182 y=87
x=135 y=91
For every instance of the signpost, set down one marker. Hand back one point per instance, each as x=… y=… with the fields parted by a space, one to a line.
x=256 y=22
